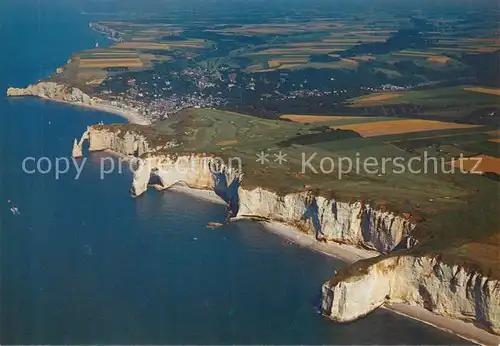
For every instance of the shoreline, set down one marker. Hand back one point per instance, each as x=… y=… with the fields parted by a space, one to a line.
x=129 y=115
x=205 y=195
x=465 y=330
x=342 y=252
x=350 y=254
x=345 y=253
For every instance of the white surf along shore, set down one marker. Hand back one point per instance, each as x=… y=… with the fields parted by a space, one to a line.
x=447 y=296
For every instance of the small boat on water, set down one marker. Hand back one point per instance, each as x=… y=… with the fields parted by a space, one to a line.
x=13 y=209
x=214 y=225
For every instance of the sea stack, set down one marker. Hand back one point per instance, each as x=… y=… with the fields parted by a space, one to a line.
x=77 y=150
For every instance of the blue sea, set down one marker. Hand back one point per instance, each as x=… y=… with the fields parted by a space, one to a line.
x=84 y=263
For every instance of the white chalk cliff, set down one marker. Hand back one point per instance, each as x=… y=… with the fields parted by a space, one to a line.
x=68 y=94
x=350 y=223
x=128 y=143
x=444 y=289
x=77 y=150
x=55 y=91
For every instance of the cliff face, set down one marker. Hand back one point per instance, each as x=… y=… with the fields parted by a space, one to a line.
x=77 y=150
x=54 y=91
x=128 y=143
x=199 y=172
x=350 y=223
x=448 y=290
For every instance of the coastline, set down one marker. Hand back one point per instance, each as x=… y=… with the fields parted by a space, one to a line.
x=347 y=254
x=342 y=252
x=350 y=254
x=467 y=331
x=129 y=115
x=205 y=195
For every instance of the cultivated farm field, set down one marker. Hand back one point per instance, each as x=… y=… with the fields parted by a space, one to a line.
x=384 y=128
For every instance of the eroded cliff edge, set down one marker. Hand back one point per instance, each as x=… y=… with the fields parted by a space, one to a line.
x=425 y=280
x=352 y=223
x=69 y=94
x=443 y=288
x=55 y=91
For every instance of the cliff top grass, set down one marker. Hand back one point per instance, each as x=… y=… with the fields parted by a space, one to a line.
x=457 y=213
